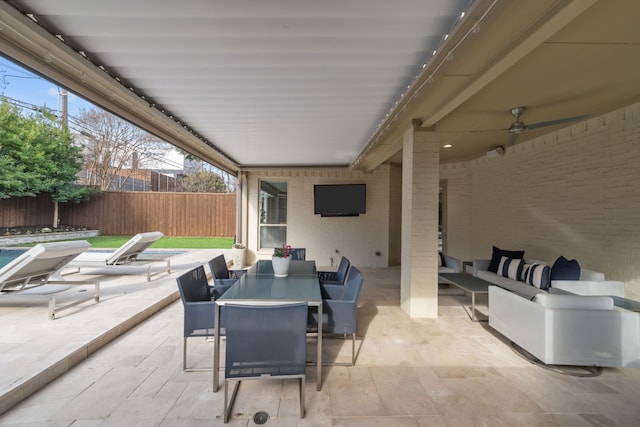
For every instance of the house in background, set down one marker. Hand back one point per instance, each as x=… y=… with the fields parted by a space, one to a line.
x=404 y=97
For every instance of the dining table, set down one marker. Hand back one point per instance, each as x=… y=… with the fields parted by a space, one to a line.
x=259 y=286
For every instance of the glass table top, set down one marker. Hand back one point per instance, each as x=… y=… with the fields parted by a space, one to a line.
x=259 y=284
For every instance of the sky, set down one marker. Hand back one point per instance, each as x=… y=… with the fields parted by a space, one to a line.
x=23 y=85
x=18 y=83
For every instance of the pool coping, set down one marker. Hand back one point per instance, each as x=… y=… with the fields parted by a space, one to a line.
x=46 y=237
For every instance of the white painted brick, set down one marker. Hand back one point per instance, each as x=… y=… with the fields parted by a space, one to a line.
x=574 y=192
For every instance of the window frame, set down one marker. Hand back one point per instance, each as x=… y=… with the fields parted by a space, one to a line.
x=282 y=211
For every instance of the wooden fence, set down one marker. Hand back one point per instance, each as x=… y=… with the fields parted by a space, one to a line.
x=127 y=213
x=24 y=211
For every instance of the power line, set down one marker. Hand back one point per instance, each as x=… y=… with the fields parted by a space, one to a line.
x=78 y=126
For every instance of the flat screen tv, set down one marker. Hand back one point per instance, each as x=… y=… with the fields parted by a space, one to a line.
x=340 y=199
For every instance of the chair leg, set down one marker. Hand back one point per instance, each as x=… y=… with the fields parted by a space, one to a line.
x=184 y=360
x=302 y=382
x=184 y=354
x=227 y=407
x=353 y=349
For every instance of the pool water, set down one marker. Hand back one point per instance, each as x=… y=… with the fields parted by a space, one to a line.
x=8 y=255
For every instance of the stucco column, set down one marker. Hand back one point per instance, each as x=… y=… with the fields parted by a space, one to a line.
x=420 y=188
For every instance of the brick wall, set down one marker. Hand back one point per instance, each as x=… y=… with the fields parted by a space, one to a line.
x=574 y=192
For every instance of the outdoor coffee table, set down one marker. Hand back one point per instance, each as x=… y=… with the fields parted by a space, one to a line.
x=467 y=283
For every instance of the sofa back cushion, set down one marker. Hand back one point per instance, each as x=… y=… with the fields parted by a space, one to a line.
x=574 y=301
x=596 y=276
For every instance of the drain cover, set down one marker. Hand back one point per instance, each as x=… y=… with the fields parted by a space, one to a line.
x=260 y=417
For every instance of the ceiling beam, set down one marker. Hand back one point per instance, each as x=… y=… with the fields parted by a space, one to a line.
x=549 y=24
x=388 y=140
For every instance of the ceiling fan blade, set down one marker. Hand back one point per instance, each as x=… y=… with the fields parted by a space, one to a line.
x=489 y=130
x=556 y=122
x=512 y=139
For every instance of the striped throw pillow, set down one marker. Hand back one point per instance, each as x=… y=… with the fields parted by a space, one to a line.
x=510 y=267
x=538 y=275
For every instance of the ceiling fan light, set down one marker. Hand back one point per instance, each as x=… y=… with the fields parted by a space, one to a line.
x=517 y=127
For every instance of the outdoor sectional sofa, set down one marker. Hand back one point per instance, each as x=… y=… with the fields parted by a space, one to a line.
x=572 y=322
x=449 y=264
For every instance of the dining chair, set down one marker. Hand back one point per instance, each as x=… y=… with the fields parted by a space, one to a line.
x=339 y=303
x=335 y=277
x=198 y=302
x=264 y=342
x=299 y=254
x=219 y=271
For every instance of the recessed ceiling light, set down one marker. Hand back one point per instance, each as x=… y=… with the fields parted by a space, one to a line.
x=447 y=146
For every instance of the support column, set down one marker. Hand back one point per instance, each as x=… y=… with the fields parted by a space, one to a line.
x=420 y=187
x=242 y=192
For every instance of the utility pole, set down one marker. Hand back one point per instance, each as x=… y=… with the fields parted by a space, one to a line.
x=65 y=108
x=65 y=125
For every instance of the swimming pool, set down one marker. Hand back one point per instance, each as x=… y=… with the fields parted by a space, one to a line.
x=8 y=255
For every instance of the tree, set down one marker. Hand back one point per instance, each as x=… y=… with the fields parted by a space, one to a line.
x=113 y=148
x=37 y=155
x=199 y=165
x=204 y=182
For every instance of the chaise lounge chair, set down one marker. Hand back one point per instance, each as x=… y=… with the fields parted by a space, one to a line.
x=124 y=255
x=38 y=267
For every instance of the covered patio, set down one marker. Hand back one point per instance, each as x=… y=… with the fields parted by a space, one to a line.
x=566 y=188
x=447 y=371
x=408 y=98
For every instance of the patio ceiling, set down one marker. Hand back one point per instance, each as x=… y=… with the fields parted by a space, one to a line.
x=280 y=83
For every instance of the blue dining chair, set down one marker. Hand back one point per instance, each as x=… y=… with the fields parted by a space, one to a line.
x=264 y=342
x=221 y=275
x=339 y=303
x=335 y=277
x=198 y=302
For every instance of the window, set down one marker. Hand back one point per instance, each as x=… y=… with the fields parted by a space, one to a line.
x=273 y=214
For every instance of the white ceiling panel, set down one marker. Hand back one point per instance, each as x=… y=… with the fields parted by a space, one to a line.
x=268 y=82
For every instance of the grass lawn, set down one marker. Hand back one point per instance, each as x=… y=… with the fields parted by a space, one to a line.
x=166 y=242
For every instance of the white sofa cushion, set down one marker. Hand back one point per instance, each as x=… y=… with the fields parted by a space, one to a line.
x=590 y=287
x=574 y=301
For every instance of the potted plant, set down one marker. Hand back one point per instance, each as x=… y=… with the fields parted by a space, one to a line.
x=238 y=255
x=281 y=260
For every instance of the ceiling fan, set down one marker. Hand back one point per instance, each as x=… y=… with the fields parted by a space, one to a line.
x=518 y=127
